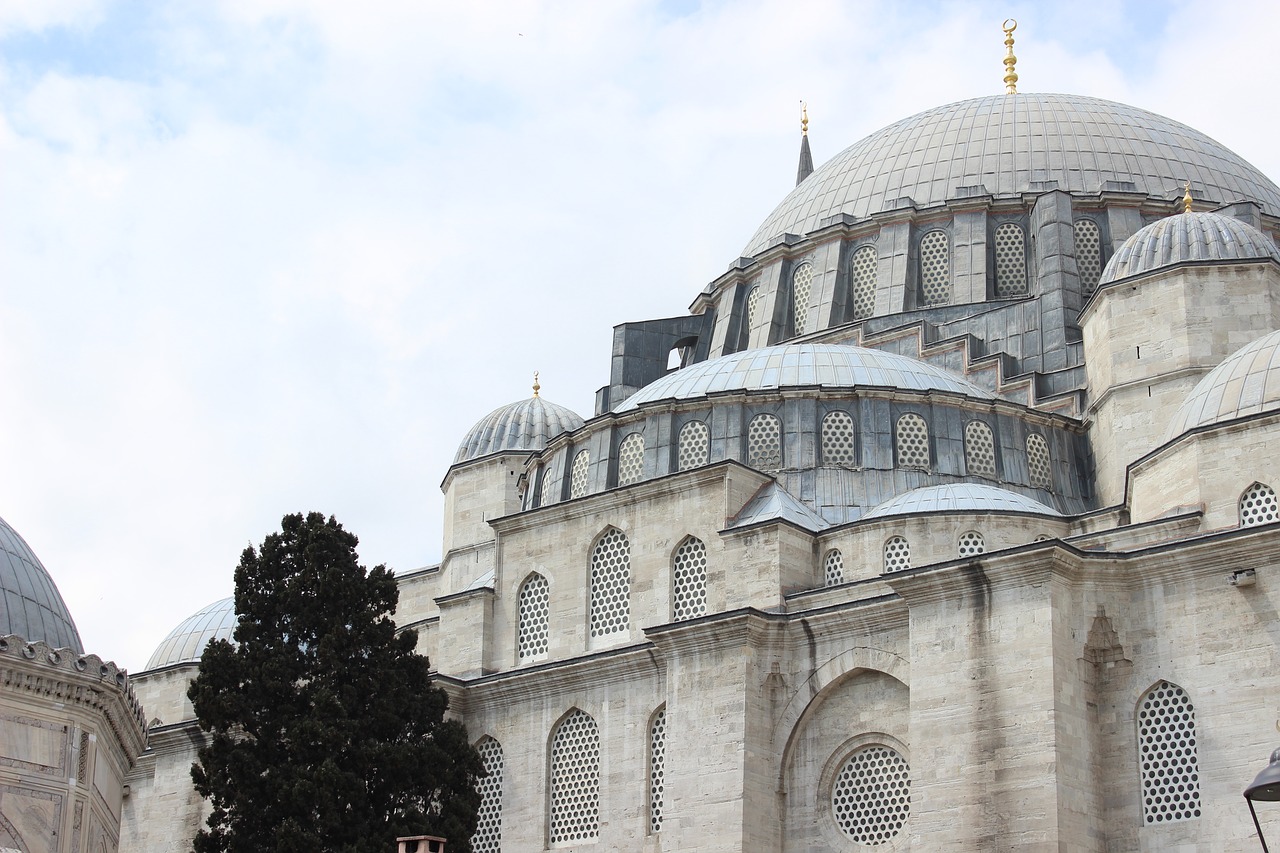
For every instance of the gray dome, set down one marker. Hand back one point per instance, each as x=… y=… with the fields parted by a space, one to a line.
x=800 y=365
x=523 y=425
x=959 y=497
x=1188 y=237
x=185 y=643
x=1011 y=144
x=30 y=604
x=1247 y=382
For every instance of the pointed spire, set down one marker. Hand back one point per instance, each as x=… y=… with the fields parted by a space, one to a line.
x=536 y=386
x=1010 y=76
x=1186 y=199
x=806 y=157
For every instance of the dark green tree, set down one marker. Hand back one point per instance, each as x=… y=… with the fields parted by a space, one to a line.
x=325 y=732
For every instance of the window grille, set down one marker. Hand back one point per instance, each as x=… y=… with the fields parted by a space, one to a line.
x=1258 y=505
x=549 y=484
x=935 y=268
x=764 y=444
x=1088 y=241
x=912 y=435
x=488 y=834
x=801 y=285
x=979 y=450
x=1011 y=261
x=971 y=544
x=631 y=459
x=611 y=584
x=897 y=555
x=833 y=567
x=871 y=797
x=657 y=768
x=862 y=279
x=693 y=447
x=578 y=475
x=839 y=440
x=689 y=580
x=532 y=635
x=1038 y=468
x=753 y=307
x=575 y=779
x=1167 y=755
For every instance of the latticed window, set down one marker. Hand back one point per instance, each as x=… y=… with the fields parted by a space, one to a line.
x=488 y=834
x=935 y=268
x=897 y=554
x=971 y=544
x=912 y=439
x=689 y=580
x=1011 y=261
x=1167 y=755
x=578 y=474
x=532 y=635
x=575 y=779
x=862 y=282
x=631 y=459
x=1088 y=241
x=1038 y=468
x=801 y=285
x=1258 y=505
x=764 y=444
x=753 y=306
x=611 y=584
x=657 y=768
x=549 y=490
x=693 y=446
x=979 y=450
x=871 y=795
x=839 y=440
x=833 y=567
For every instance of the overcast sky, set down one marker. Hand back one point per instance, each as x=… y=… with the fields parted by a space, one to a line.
x=278 y=255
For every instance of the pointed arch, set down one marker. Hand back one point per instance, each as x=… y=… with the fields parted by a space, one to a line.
x=488 y=835
x=610 y=583
x=533 y=634
x=573 y=786
x=689 y=579
x=1168 y=755
x=1258 y=505
x=657 y=766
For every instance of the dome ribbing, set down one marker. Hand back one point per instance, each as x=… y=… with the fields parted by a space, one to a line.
x=30 y=604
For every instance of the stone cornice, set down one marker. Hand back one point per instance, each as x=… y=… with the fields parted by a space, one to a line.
x=717 y=631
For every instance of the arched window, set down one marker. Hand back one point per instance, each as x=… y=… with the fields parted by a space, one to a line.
x=689 y=580
x=935 y=268
x=764 y=444
x=912 y=439
x=971 y=544
x=1011 y=261
x=575 y=779
x=631 y=459
x=839 y=440
x=1258 y=505
x=578 y=476
x=1167 y=755
x=611 y=584
x=897 y=555
x=871 y=795
x=833 y=567
x=1038 y=467
x=1088 y=241
x=657 y=768
x=979 y=450
x=693 y=446
x=801 y=285
x=488 y=834
x=862 y=282
x=532 y=635
x=753 y=306
x=549 y=490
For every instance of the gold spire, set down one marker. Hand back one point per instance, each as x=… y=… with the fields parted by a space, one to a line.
x=804 y=119
x=1010 y=76
x=1186 y=199
x=536 y=386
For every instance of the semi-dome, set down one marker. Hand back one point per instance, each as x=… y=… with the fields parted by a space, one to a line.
x=1186 y=237
x=524 y=425
x=1010 y=144
x=185 y=643
x=1247 y=382
x=802 y=365
x=959 y=497
x=30 y=604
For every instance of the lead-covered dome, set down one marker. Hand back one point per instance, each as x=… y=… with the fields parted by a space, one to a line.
x=30 y=604
x=959 y=497
x=1247 y=382
x=523 y=425
x=802 y=365
x=185 y=643
x=1188 y=237
x=1011 y=144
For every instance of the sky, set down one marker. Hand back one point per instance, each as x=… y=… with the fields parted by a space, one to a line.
x=272 y=256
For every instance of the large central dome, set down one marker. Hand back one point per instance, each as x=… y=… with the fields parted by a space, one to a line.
x=1011 y=144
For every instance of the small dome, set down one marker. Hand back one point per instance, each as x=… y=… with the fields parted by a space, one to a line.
x=1245 y=383
x=185 y=643
x=801 y=365
x=1187 y=237
x=959 y=497
x=30 y=604
x=523 y=425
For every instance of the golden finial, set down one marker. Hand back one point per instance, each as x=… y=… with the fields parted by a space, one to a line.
x=1186 y=199
x=536 y=386
x=804 y=119
x=1010 y=76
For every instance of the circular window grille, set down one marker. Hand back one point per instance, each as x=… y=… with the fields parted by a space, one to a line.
x=689 y=580
x=1038 y=462
x=578 y=475
x=833 y=567
x=549 y=483
x=1088 y=253
x=1167 y=755
x=913 y=442
x=630 y=459
x=862 y=275
x=871 y=797
x=575 y=779
x=897 y=555
x=611 y=584
x=971 y=544
x=753 y=306
x=693 y=446
x=532 y=635
x=1258 y=505
x=979 y=450
x=488 y=834
x=801 y=284
x=935 y=268
x=1011 y=261
x=764 y=444
x=839 y=440
x=657 y=764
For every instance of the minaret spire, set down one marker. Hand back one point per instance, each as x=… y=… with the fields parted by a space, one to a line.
x=806 y=157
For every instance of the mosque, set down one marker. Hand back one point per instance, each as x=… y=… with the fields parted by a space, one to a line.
x=939 y=523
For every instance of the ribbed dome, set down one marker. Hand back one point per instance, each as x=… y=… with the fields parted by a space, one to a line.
x=1011 y=144
x=30 y=604
x=523 y=425
x=801 y=365
x=186 y=642
x=959 y=497
x=1245 y=383
x=1188 y=237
